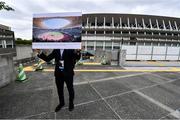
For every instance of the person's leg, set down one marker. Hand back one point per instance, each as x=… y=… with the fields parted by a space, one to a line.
x=60 y=90
x=70 y=87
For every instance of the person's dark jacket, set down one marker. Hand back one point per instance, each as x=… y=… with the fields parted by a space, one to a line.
x=69 y=56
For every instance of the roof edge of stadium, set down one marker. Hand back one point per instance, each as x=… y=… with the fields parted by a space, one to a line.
x=131 y=14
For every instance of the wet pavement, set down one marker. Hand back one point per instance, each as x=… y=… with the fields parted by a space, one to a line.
x=98 y=95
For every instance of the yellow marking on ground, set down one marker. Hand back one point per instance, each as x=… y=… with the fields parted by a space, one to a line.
x=42 y=62
x=175 y=68
x=109 y=70
x=156 y=63
x=29 y=68
x=88 y=63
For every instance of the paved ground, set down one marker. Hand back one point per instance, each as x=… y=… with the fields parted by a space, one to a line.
x=99 y=95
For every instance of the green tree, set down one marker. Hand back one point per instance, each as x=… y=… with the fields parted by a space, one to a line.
x=3 y=6
x=18 y=39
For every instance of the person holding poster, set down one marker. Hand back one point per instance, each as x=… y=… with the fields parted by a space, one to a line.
x=62 y=33
x=65 y=61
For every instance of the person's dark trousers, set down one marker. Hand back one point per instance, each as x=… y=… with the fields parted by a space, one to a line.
x=60 y=88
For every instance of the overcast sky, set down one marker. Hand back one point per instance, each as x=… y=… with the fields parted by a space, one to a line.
x=21 y=19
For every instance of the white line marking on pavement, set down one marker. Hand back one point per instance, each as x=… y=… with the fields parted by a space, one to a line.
x=110 y=78
x=117 y=77
x=173 y=112
x=156 y=75
x=106 y=102
x=84 y=103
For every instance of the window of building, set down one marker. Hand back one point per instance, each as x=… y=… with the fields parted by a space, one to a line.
x=99 y=43
x=99 y=32
x=90 y=32
x=90 y=47
x=162 y=44
x=155 y=44
x=108 y=24
x=168 y=44
x=117 y=32
x=116 y=24
x=148 y=44
x=92 y=24
x=1 y=44
x=83 y=31
x=133 y=43
x=100 y=24
x=125 y=32
x=108 y=43
x=124 y=25
x=140 y=43
x=9 y=46
x=90 y=43
x=133 y=32
x=108 y=32
x=116 y=45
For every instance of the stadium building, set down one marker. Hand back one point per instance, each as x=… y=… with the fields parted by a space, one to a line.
x=7 y=40
x=143 y=37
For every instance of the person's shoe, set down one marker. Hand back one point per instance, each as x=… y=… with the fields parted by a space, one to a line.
x=71 y=106
x=59 y=107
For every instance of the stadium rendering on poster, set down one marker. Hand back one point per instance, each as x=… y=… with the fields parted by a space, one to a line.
x=144 y=37
x=57 y=31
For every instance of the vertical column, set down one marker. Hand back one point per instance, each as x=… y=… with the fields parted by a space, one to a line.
x=152 y=50
x=166 y=52
x=150 y=22
x=103 y=45
x=94 y=45
x=95 y=22
x=136 y=50
x=5 y=45
x=12 y=43
x=113 y=22
x=164 y=26
x=104 y=22
x=128 y=22
x=2 y=42
x=86 y=45
x=87 y=22
x=112 y=45
x=170 y=25
x=175 y=25
x=157 y=24
x=179 y=54
x=136 y=23
x=120 y=22
x=144 y=26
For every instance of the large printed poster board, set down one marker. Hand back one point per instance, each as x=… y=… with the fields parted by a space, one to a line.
x=57 y=30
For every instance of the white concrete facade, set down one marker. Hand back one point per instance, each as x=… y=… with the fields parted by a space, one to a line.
x=139 y=33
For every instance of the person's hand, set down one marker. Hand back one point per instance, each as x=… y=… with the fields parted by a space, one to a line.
x=38 y=51
x=77 y=50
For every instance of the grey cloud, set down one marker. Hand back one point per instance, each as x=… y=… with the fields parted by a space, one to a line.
x=25 y=9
